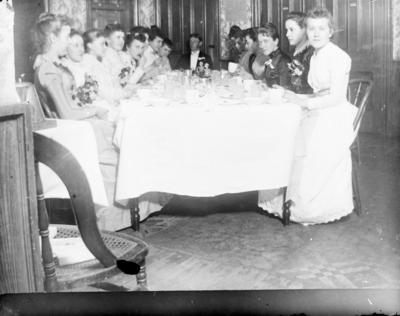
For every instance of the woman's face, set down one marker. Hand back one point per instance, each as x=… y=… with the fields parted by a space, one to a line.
x=98 y=47
x=61 y=42
x=116 y=40
x=136 y=49
x=76 y=49
x=319 y=32
x=295 y=34
x=250 y=44
x=267 y=44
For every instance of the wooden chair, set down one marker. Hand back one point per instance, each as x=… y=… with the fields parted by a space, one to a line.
x=105 y=246
x=358 y=92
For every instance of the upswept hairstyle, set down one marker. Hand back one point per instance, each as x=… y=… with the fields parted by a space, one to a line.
x=251 y=33
x=321 y=12
x=168 y=42
x=131 y=37
x=140 y=30
x=298 y=17
x=45 y=25
x=155 y=32
x=270 y=30
x=90 y=36
x=112 y=28
x=196 y=35
x=235 y=32
x=74 y=32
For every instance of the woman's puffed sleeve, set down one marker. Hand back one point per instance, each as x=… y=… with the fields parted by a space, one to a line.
x=339 y=68
x=47 y=75
x=51 y=79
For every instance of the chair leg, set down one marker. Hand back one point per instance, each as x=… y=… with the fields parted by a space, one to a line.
x=358 y=150
x=356 y=192
x=50 y=278
x=141 y=277
x=286 y=213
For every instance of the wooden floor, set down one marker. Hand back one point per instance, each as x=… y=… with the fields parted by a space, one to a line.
x=250 y=251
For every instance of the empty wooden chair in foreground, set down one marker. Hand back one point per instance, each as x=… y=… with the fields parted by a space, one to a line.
x=107 y=247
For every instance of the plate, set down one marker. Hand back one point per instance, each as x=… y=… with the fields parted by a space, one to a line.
x=281 y=101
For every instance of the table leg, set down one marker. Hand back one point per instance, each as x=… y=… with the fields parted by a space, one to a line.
x=135 y=216
x=286 y=213
x=141 y=277
x=50 y=278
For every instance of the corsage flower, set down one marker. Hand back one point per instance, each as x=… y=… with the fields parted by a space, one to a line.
x=87 y=93
x=124 y=76
x=269 y=64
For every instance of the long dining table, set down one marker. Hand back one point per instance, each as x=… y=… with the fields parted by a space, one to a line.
x=204 y=151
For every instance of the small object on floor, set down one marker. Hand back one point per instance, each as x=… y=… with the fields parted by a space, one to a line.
x=128 y=267
x=107 y=286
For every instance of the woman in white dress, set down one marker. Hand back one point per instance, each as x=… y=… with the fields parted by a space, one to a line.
x=115 y=39
x=319 y=187
x=81 y=70
x=95 y=48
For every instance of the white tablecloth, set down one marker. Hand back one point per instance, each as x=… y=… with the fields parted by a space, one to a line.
x=78 y=137
x=195 y=151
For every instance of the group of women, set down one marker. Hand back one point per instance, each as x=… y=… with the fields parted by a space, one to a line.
x=315 y=79
x=84 y=77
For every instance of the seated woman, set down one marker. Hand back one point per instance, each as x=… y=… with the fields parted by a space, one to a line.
x=300 y=66
x=95 y=48
x=252 y=50
x=319 y=187
x=134 y=59
x=115 y=39
x=87 y=84
x=276 y=67
x=237 y=43
x=298 y=71
x=55 y=83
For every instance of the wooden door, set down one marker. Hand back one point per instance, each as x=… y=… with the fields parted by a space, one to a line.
x=103 y=12
x=362 y=31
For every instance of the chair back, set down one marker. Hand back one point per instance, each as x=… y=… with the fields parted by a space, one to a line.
x=358 y=91
x=27 y=93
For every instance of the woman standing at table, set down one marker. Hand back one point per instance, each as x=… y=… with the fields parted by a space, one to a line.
x=320 y=188
x=276 y=67
x=55 y=83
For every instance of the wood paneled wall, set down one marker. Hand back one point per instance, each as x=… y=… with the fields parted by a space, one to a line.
x=364 y=31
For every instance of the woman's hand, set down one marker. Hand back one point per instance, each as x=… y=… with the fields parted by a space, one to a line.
x=276 y=86
x=102 y=113
x=142 y=61
x=294 y=98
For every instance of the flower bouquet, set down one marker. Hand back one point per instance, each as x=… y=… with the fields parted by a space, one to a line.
x=295 y=68
x=87 y=93
x=124 y=76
